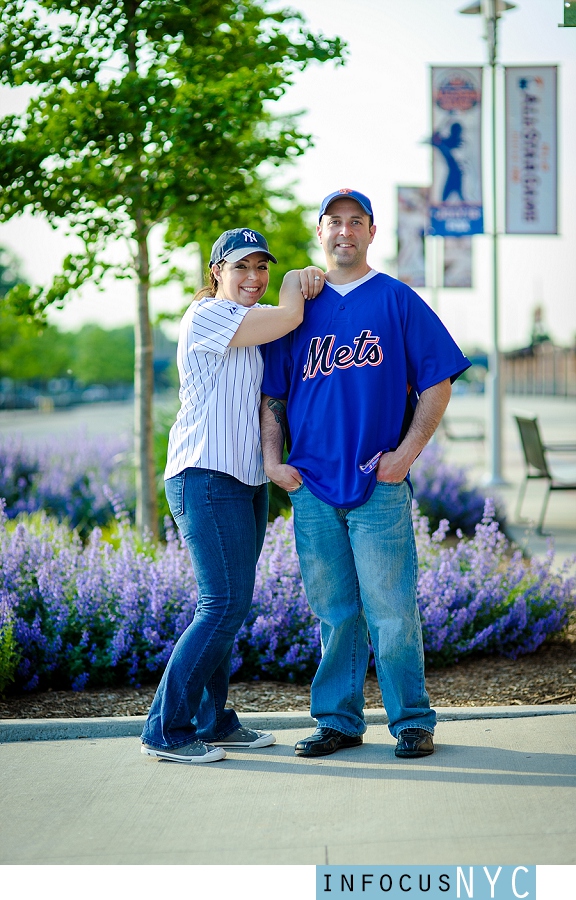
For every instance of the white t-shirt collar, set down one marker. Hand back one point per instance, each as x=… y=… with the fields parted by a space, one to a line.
x=344 y=289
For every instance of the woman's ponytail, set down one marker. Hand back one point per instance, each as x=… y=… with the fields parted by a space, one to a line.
x=208 y=290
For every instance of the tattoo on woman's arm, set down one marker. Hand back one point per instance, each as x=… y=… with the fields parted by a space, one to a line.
x=279 y=410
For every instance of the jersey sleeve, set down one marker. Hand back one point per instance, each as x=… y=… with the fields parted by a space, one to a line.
x=432 y=354
x=211 y=324
x=277 y=356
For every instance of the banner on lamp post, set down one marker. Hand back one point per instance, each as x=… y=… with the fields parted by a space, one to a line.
x=413 y=222
x=456 y=192
x=457 y=262
x=531 y=150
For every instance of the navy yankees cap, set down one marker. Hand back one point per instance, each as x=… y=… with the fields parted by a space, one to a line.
x=238 y=243
x=362 y=199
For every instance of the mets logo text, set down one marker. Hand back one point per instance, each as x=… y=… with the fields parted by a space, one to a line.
x=365 y=352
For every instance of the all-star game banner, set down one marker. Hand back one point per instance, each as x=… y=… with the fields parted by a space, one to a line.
x=412 y=229
x=456 y=192
x=531 y=156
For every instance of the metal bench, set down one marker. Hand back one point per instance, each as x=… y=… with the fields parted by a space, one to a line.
x=537 y=467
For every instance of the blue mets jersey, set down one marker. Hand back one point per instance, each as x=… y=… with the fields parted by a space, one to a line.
x=345 y=373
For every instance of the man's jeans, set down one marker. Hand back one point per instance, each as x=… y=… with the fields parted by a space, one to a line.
x=223 y=522
x=360 y=571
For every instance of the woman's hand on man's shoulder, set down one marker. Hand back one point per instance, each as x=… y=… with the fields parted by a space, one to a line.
x=311 y=280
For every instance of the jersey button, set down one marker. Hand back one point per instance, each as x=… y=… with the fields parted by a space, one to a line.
x=341 y=307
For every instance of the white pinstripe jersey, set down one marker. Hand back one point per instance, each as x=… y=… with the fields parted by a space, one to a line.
x=218 y=425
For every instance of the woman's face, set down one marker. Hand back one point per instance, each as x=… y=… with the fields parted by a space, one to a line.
x=244 y=281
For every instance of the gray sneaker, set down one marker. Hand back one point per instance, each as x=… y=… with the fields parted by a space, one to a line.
x=198 y=752
x=246 y=738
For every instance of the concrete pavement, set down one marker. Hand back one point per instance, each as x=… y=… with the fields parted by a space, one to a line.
x=499 y=790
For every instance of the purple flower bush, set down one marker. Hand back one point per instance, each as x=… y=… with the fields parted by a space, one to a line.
x=67 y=478
x=476 y=597
x=74 y=614
x=108 y=612
x=443 y=492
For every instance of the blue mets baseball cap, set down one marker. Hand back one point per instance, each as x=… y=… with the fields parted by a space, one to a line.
x=362 y=199
x=238 y=243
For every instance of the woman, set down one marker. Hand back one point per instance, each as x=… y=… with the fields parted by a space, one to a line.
x=217 y=491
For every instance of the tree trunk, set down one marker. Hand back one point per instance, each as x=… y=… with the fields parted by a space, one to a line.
x=146 y=502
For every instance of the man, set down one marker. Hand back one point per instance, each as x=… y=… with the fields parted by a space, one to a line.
x=341 y=381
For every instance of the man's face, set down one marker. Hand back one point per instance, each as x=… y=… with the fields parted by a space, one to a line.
x=345 y=234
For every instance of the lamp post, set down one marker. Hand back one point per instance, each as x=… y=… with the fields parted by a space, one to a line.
x=492 y=11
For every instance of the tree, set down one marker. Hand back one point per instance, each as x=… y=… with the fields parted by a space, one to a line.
x=32 y=353
x=104 y=356
x=147 y=113
x=9 y=271
x=28 y=350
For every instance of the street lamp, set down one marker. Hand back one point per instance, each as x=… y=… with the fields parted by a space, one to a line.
x=492 y=10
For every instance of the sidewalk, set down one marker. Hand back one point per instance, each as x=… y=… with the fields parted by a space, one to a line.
x=499 y=790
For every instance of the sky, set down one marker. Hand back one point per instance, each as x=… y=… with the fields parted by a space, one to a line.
x=370 y=121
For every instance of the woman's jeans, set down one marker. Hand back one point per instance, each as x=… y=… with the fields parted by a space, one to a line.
x=223 y=522
x=360 y=571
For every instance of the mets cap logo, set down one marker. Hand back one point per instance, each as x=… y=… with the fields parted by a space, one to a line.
x=250 y=237
x=345 y=191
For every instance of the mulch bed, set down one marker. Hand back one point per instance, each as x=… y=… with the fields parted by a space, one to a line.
x=546 y=676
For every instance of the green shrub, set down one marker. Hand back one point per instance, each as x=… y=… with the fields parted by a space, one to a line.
x=9 y=655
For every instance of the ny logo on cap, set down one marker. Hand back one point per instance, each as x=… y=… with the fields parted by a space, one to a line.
x=345 y=191
x=250 y=236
